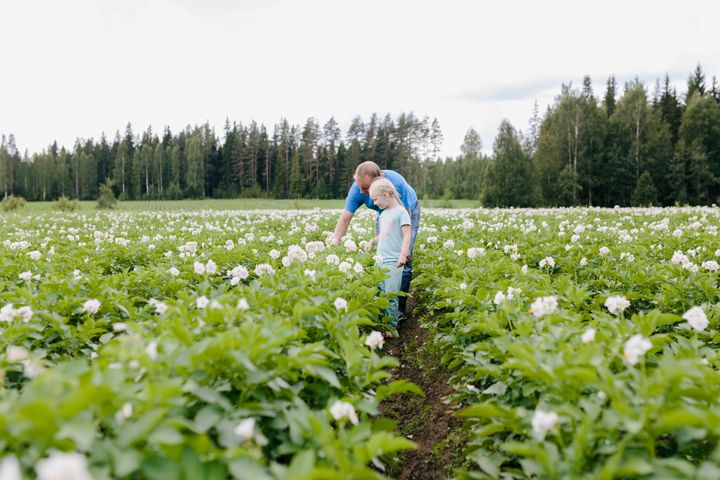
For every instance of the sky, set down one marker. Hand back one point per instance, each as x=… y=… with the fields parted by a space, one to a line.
x=77 y=68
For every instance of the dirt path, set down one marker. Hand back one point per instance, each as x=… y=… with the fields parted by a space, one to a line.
x=428 y=421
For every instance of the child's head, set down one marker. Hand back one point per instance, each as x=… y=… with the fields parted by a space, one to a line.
x=383 y=193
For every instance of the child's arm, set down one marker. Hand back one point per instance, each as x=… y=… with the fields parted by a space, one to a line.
x=405 y=253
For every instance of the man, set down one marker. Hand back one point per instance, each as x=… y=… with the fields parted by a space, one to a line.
x=365 y=174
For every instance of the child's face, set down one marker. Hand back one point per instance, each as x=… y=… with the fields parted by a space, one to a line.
x=380 y=199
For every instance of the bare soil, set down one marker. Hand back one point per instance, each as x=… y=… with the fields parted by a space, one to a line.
x=428 y=421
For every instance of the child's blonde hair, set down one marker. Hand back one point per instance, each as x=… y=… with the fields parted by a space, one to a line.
x=383 y=185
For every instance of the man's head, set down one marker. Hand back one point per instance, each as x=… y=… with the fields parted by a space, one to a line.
x=365 y=174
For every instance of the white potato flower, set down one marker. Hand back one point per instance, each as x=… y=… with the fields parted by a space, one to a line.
x=340 y=410
x=616 y=304
x=542 y=422
x=63 y=466
x=588 y=335
x=635 y=348
x=696 y=318
x=543 y=306
x=245 y=429
x=375 y=340
x=91 y=306
x=340 y=304
x=15 y=354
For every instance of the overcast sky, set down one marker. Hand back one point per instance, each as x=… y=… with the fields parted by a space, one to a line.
x=76 y=68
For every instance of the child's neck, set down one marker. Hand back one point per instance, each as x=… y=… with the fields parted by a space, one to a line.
x=392 y=204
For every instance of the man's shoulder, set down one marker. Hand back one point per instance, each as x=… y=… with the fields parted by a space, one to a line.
x=392 y=174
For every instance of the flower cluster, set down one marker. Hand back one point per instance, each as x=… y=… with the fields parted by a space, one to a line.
x=544 y=306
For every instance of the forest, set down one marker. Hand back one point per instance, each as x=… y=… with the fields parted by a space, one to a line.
x=640 y=145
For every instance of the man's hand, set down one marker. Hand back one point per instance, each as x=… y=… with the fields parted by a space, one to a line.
x=342 y=227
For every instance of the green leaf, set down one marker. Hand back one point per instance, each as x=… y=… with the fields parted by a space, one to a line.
x=206 y=418
x=634 y=467
x=485 y=410
x=135 y=430
x=82 y=431
x=166 y=435
x=248 y=469
x=125 y=462
x=396 y=387
x=497 y=388
x=301 y=464
x=680 y=418
x=192 y=467
x=489 y=462
x=160 y=468
x=519 y=448
x=325 y=373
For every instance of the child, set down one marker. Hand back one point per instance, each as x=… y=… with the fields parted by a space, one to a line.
x=393 y=240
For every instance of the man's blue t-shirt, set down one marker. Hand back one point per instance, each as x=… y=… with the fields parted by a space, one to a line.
x=408 y=197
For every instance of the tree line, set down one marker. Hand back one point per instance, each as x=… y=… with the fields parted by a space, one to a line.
x=286 y=161
x=629 y=148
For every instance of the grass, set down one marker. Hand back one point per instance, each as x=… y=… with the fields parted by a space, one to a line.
x=228 y=204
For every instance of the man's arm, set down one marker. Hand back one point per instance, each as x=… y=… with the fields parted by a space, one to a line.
x=405 y=253
x=342 y=226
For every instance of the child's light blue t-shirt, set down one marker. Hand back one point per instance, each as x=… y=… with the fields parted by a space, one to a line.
x=390 y=239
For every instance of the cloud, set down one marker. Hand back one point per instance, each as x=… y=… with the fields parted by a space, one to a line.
x=510 y=91
x=550 y=86
x=220 y=8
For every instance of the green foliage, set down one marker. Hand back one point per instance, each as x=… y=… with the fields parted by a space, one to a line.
x=64 y=204
x=645 y=194
x=107 y=198
x=509 y=173
x=657 y=418
x=12 y=203
x=161 y=391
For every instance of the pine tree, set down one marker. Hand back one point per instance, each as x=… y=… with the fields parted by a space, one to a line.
x=696 y=84
x=670 y=108
x=472 y=144
x=700 y=133
x=158 y=168
x=645 y=194
x=354 y=137
x=701 y=176
x=309 y=157
x=436 y=139
x=533 y=133
x=331 y=143
x=610 y=93
x=297 y=182
x=4 y=164
x=506 y=181
x=677 y=176
x=194 y=159
x=370 y=142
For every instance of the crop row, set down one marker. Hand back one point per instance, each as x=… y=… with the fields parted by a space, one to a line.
x=204 y=345
x=583 y=342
